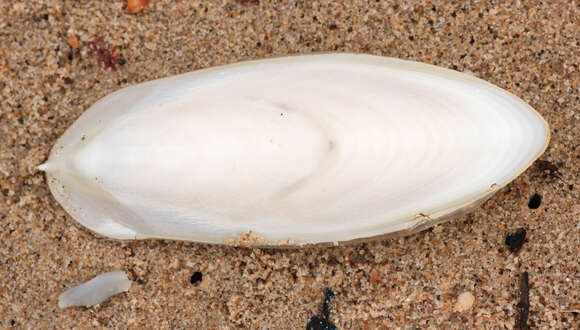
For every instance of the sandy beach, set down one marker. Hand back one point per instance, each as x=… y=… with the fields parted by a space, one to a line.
x=59 y=57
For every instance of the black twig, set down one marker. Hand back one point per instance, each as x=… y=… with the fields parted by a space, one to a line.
x=524 y=305
x=323 y=323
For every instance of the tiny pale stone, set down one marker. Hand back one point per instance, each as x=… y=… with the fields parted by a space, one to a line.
x=174 y=264
x=464 y=301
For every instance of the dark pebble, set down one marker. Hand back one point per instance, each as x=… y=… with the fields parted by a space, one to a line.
x=196 y=278
x=515 y=241
x=535 y=201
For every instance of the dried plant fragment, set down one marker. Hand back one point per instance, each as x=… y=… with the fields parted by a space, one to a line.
x=524 y=305
x=108 y=56
x=249 y=2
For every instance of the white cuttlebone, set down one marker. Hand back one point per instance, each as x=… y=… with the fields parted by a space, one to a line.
x=96 y=290
x=302 y=149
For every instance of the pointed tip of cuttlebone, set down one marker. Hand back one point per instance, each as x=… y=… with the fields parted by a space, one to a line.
x=46 y=167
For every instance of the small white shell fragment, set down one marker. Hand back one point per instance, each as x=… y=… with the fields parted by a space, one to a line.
x=96 y=290
x=293 y=150
x=464 y=302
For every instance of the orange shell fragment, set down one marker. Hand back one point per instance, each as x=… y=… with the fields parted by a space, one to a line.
x=135 y=6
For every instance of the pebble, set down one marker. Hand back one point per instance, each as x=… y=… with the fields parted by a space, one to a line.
x=464 y=302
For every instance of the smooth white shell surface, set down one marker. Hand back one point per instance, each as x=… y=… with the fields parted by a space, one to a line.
x=96 y=290
x=309 y=149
